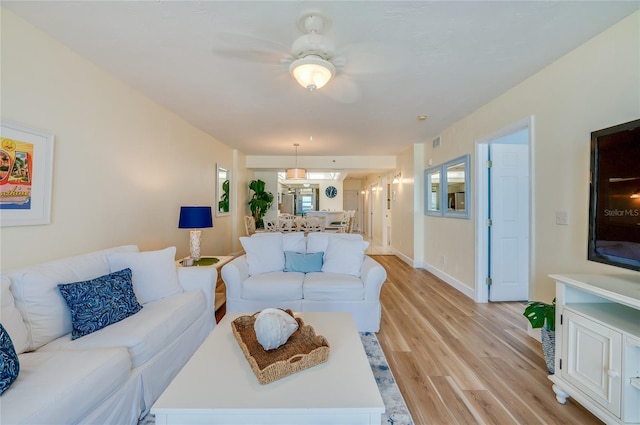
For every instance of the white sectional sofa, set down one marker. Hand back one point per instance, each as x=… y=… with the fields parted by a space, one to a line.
x=115 y=374
x=339 y=277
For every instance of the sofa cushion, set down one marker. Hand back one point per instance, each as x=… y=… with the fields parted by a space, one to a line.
x=274 y=286
x=11 y=318
x=265 y=253
x=44 y=311
x=327 y=286
x=63 y=387
x=343 y=256
x=304 y=263
x=318 y=241
x=9 y=363
x=145 y=333
x=292 y=241
x=153 y=272
x=100 y=302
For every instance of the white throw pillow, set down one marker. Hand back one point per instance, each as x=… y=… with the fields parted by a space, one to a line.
x=344 y=256
x=154 y=273
x=11 y=318
x=35 y=291
x=294 y=242
x=265 y=253
x=317 y=242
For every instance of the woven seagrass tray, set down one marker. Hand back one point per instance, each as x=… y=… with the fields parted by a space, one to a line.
x=303 y=350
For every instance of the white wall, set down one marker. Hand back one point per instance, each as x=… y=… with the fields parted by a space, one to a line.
x=595 y=86
x=330 y=204
x=241 y=177
x=123 y=165
x=402 y=207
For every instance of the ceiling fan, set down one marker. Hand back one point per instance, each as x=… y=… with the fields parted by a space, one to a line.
x=312 y=59
x=312 y=53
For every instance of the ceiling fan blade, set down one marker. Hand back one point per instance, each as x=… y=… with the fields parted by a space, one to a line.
x=372 y=58
x=343 y=90
x=258 y=56
x=251 y=42
x=250 y=48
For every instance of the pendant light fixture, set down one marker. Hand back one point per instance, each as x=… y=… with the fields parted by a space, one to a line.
x=296 y=173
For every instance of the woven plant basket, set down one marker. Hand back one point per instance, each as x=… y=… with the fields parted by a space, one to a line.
x=303 y=350
x=549 y=348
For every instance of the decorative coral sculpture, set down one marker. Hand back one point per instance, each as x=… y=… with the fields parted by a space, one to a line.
x=274 y=327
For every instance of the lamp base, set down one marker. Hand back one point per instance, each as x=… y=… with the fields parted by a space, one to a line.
x=194 y=244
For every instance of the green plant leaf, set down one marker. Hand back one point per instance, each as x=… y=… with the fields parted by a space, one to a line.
x=541 y=314
x=260 y=201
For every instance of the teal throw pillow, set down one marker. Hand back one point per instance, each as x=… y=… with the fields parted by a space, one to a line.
x=100 y=302
x=305 y=263
x=9 y=364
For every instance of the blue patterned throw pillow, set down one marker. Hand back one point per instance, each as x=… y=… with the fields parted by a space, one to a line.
x=9 y=364
x=100 y=302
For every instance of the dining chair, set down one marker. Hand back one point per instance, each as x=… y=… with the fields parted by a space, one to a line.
x=270 y=225
x=249 y=225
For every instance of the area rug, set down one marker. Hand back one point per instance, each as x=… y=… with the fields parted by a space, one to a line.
x=396 y=411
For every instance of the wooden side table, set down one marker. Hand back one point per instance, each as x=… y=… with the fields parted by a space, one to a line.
x=209 y=261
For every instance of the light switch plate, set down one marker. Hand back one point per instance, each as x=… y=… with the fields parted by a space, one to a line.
x=562 y=218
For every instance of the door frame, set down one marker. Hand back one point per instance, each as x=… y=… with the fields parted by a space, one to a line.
x=482 y=204
x=373 y=188
x=383 y=212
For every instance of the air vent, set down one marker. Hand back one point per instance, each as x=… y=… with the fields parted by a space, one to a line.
x=436 y=142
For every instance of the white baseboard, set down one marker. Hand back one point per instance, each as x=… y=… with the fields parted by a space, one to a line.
x=469 y=292
x=403 y=257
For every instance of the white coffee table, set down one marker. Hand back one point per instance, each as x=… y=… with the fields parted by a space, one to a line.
x=217 y=385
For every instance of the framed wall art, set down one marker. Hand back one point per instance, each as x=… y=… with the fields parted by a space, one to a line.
x=223 y=186
x=26 y=172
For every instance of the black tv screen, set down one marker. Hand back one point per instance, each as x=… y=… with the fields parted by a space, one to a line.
x=614 y=204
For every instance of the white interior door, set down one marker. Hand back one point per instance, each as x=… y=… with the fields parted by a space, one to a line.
x=351 y=203
x=509 y=213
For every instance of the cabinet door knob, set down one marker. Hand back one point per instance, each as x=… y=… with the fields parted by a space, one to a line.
x=613 y=373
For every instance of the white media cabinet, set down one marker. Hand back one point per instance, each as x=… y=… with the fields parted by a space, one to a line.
x=597 y=357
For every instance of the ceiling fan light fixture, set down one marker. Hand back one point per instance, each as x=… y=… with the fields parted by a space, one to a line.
x=312 y=72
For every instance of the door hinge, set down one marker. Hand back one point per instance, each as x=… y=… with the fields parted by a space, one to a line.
x=489 y=281
x=489 y=164
x=489 y=222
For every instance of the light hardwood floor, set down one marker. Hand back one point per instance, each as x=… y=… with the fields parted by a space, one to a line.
x=458 y=362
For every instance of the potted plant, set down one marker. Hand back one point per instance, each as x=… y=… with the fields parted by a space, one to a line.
x=223 y=204
x=260 y=201
x=542 y=315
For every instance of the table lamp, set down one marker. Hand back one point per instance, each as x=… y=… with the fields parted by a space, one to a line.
x=195 y=218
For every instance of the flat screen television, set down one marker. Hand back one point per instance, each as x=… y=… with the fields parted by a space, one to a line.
x=614 y=203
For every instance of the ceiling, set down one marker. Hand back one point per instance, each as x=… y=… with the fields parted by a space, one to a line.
x=222 y=65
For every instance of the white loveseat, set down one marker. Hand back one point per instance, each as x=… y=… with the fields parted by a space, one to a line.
x=115 y=374
x=345 y=279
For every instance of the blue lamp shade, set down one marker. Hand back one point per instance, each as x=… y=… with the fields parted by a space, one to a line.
x=195 y=218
